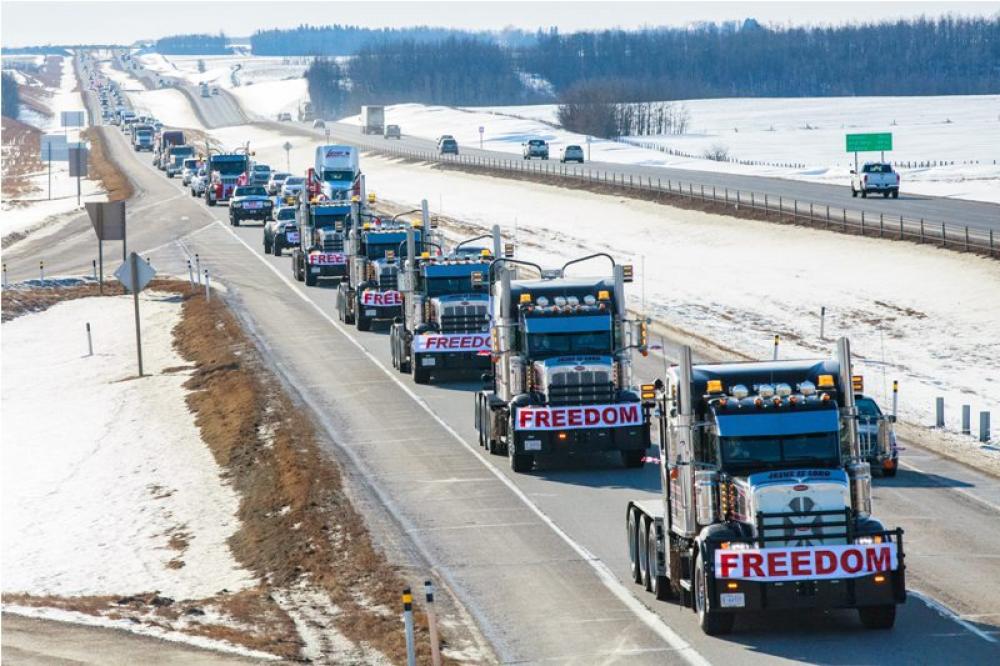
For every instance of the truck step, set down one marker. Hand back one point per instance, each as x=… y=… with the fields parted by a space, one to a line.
x=685 y=584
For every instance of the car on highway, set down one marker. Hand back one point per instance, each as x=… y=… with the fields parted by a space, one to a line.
x=448 y=146
x=292 y=186
x=281 y=232
x=198 y=180
x=215 y=90
x=260 y=174
x=443 y=138
x=875 y=178
x=392 y=132
x=188 y=170
x=275 y=182
x=284 y=117
x=535 y=148
x=571 y=154
x=249 y=202
x=318 y=123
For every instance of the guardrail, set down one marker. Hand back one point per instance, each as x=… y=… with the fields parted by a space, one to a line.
x=964 y=238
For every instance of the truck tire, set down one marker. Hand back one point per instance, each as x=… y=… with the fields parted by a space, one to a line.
x=864 y=194
x=276 y=248
x=310 y=279
x=210 y=201
x=235 y=221
x=713 y=623
x=632 y=539
x=885 y=195
x=854 y=192
x=878 y=617
x=895 y=194
x=658 y=585
x=364 y=323
x=420 y=375
x=520 y=463
x=405 y=363
x=633 y=459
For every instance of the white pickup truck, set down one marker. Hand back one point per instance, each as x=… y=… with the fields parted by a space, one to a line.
x=875 y=178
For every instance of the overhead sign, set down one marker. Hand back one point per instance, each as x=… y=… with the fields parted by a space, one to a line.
x=73 y=118
x=452 y=342
x=858 y=143
x=54 y=148
x=108 y=219
x=815 y=562
x=143 y=273
x=590 y=416
x=78 y=156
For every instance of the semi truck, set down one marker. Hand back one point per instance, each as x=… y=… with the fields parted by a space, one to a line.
x=335 y=174
x=305 y=112
x=166 y=139
x=562 y=366
x=445 y=323
x=142 y=137
x=765 y=497
x=174 y=159
x=323 y=228
x=225 y=170
x=372 y=120
x=370 y=290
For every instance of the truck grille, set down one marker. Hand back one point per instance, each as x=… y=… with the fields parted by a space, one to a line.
x=803 y=528
x=331 y=242
x=581 y=388
x=389 y=278
x=463 y=318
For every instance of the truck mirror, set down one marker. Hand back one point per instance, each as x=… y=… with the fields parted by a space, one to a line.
x=487 y=379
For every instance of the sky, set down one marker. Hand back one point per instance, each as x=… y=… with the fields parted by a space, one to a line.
x=32 y=22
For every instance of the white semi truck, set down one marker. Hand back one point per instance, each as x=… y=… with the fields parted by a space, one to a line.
x=372 y=120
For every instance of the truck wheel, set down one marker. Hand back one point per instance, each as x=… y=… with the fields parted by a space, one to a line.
x=854 y=192
x=420 y=376
x=878 y=617
x=889 y=472
x=364 y=323
x=267 y=247
x=864 y=194
x=210 y=201
x=235 y=221
x=713 y=623
x=310 y=279
x=520 y=463
x=632 y=538
x=276 y=249
x=895 y=194
x=405 y=366
x=885 y=195
x=658 y=585
x=633 y=459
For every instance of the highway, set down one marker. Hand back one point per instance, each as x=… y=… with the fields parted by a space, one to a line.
x=539 y=559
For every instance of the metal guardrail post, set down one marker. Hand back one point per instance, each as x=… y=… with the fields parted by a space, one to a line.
x=984 y=427
x=900 y=227
x=939 y=412
x=862 y=223
x=966 y=238
x=921 y=231
x=966 y=419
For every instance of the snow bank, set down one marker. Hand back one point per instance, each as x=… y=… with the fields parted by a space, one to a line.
x=101 y=470
x=921 y=133
x=169 y=106
x=218 y=69
x=267 y=99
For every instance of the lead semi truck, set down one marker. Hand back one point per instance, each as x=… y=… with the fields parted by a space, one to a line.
x=445 y=323
x=224 y=173
x=335 y=174
x=562 y=366
x=766 y=498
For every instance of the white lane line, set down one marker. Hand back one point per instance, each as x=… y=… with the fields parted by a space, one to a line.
x=988 y=504
x=952 y=615
x=604 y=573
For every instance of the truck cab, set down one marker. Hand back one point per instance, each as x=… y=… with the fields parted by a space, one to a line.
x=335 y=173
x=766 y=498
x=175 y=157
x=445 y=325
x=225 y=169
x=875 y=178
x=142 y=137
x=324 y=226
x=562 y=380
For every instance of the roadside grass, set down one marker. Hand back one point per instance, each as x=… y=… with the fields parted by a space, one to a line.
x=105 y=168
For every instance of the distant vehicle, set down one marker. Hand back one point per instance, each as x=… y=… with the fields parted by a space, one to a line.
x=392 y=132
x=260 y=174
x=292 y=186
x=444 y=137
x=448 y=146
x=875 y=178
x=142 y=137
x=372 y=119
x=284 y=117
x=305 y=112
x=571 y=154
x=535 y=148
x=164 y=141
x=318 y=123
x=215 y=90
x=335 y=173
x=281 y=232
x=175 y=159
x=198 y=180
x=204 y=91
x=275 y=181
x=249 y=202
x=188 y=170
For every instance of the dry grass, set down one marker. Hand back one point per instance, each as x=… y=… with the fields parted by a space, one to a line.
x=21 y=146
x=105 y=168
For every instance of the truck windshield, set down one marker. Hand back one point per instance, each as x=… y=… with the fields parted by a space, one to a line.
x=181 y=151
x=443 y=286
x=328 y=221
x=821 y=449
x=338 y=175
x=378 y=250
x=542 y=345
x=229 y=168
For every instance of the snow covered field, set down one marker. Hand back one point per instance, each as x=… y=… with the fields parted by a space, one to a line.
x=100 y=467
x=250 y=69
x=921 y=133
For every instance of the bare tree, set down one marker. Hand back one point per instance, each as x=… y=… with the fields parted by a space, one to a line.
x=718 y=153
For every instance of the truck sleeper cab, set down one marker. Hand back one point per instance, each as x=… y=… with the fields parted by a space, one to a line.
x=371 y=291
x=322 y=254
x=766 y=501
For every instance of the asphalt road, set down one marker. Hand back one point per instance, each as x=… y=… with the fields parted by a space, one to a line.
x=539 y=559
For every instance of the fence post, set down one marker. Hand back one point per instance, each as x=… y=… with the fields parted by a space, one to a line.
x=208 y=294
x=765 y=204
x=862 y=223
x=826 y=224
x=432 y=624
x=900 y=227
x=844 y=225
x=411 y=653
x=921 y=230
x=939 y=412
x=984 y=427
x=966 y=419
x=944 y=237
x=966 y=238
x=881 y=223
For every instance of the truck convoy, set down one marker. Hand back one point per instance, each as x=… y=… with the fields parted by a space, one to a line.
x=225 y=169
x=335 y=173
x=562 y=378
x=766 y=499
x=372 y=119
x=323 y=228
x=445 y=323
x=370 y=290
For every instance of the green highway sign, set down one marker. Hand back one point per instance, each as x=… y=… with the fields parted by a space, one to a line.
x=857 y=143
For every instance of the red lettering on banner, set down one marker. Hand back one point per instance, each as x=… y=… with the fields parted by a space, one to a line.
x=773 y=563
x=751 y=564
x=728 y=562
x=523 y=418
x=559 y=419
x=800 y=563
x=575 y=418
x=826 y=562
x=858 y=561
x=630 y=414
x=878 y=559
x=465 y=343
x=542 y=419
x=591 y=416
x=610 y=416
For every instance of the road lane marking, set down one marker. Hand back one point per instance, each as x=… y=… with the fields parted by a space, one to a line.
x=947 y=612
x=603 y=572
x=988 y=504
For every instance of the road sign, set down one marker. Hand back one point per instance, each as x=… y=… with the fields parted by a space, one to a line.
x=287 y=146
x=869 y=142
x=78 y=156
x=141 y=276
x=481 y=129
x=108 y=219
x=73 y=118
x=54 y=148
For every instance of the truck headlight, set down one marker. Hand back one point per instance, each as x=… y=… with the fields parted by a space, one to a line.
x=870 y=540
x=736 y=545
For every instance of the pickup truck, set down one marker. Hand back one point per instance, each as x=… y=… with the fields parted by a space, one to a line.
x=875 y=178
x=249 y=202
x=281 y=232
x=392 y=132
x=535 y=148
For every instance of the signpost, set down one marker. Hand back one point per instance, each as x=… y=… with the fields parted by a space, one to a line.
x=78 y=156
x=859 y=143
x=73 y=118
x=134 y=275
x=108 y=219
x=588 y=148
x=54 y=147
x=288 y=148
x=481 y=130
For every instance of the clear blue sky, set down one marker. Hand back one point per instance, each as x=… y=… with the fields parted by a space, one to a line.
x=39 y=22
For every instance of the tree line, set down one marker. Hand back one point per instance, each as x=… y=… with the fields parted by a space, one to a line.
x=343 y=40
x=193 y=45
x=10 y=96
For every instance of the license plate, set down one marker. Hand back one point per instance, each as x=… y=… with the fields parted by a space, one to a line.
x=371 y=312
x=532 y=445
x=732 y=600
x=428 y=360
x=252 y=204
x=315 y=269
